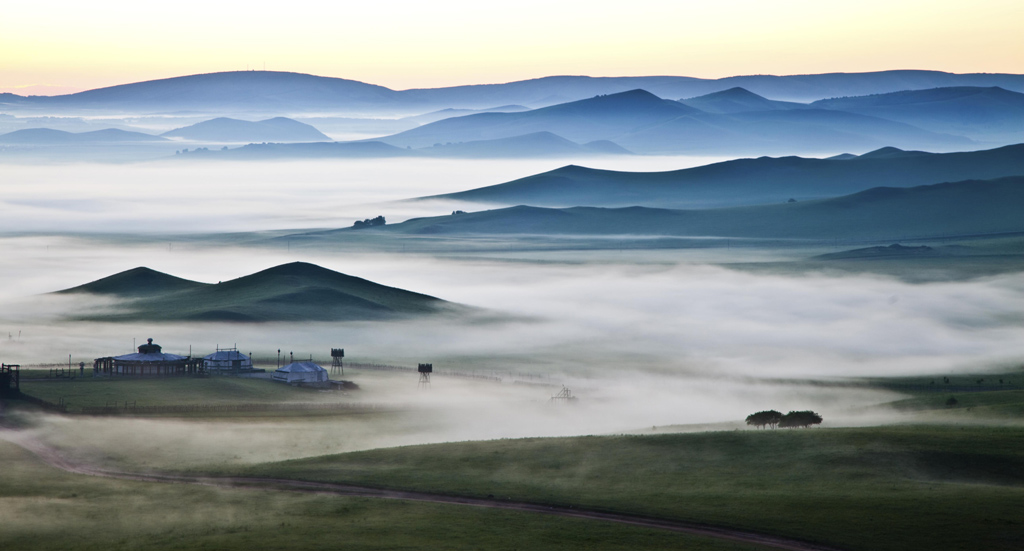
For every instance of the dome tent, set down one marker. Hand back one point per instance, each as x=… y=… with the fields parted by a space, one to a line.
x=301 y=372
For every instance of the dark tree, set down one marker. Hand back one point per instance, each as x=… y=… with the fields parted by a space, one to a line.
x=369 y=222
x=800 y=419
x=762 y=419
x=952 y=402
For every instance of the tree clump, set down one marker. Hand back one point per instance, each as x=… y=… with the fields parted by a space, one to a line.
x=802 y=419
x=763 y=419
x=369 y=222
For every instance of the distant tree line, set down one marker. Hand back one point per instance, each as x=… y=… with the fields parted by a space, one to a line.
x=793 y=419
x=369 y=222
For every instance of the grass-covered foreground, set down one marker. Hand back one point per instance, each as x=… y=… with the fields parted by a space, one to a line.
x=90 y=392
x=899 y=488
x=44 y=508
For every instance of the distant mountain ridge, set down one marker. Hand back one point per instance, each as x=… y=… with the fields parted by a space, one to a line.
x=285 y=92
x=49 y=136
x=644 y=123
x=290 y=292
x=747 y=181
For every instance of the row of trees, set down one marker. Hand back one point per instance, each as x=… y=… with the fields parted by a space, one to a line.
x=793 y=419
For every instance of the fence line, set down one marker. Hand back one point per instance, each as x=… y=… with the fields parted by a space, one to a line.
x=385 y=367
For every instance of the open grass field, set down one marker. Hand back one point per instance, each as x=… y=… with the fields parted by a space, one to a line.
x=898 y=488
x=90 y=392
x=45 y=508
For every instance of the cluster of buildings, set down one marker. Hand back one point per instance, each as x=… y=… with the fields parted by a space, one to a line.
x=152 y=361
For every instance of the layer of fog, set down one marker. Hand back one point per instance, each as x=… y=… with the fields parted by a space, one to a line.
x=592 y=318
x=190 y=197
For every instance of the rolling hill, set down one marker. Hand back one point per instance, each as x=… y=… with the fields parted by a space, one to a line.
x=980 y=113
x=284 y=92
x=747 y=181
x=227 y=130
x=973 y=207
x=290 y=292
x=49 y=136
x=645 y=123
x=738 y=100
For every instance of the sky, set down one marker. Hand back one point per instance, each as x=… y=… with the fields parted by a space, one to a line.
x=51 y=47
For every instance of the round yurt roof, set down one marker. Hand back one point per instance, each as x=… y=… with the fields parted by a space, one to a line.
x=301 y=367
x=149 y=352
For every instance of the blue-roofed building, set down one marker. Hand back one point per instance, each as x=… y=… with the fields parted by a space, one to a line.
x=149 y=361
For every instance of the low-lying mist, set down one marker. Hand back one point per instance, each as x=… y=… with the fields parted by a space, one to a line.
x=183 y=196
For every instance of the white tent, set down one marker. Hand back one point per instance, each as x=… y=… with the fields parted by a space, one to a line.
x=301 y=372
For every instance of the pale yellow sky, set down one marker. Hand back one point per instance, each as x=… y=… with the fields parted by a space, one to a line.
x=403 y=44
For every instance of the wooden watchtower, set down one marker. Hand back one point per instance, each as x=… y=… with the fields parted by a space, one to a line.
x=337 y=364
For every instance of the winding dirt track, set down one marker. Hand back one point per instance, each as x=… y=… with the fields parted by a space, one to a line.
x=54 y=459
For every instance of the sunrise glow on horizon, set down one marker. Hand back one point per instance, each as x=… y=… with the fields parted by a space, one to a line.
x=77 y=46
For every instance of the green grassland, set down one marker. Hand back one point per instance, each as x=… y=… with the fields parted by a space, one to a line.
x=907 y=487
x=90 y=392
x=44 y=508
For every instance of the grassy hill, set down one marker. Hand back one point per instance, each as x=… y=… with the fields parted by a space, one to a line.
x=971 y=207
x=747 y=181
x=290 y=292
x=880 y=488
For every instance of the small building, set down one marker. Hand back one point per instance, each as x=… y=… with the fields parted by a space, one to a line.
x=301 y=373
x=150 y=361
x=227 y=359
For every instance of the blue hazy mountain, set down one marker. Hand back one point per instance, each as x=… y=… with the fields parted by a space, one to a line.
x=644 y=123
x=49 y=136
x=597 y=118
x=448 y=113
x=283 y=92
x=981 y=113
x=227 y=130
x=966 y=208
x=738 y=100
x=748 y=181
x=538 y=144
x=231 y=92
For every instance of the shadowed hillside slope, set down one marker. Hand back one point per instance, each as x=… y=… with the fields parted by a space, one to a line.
x=951 y=209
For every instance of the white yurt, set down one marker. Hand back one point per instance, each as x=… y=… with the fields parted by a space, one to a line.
x=301 y=372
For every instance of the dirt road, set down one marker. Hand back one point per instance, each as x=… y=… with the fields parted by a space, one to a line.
x=53 y=458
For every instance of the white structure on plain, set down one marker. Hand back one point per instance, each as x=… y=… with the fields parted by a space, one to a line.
x=227 y=359
x=301 y=372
